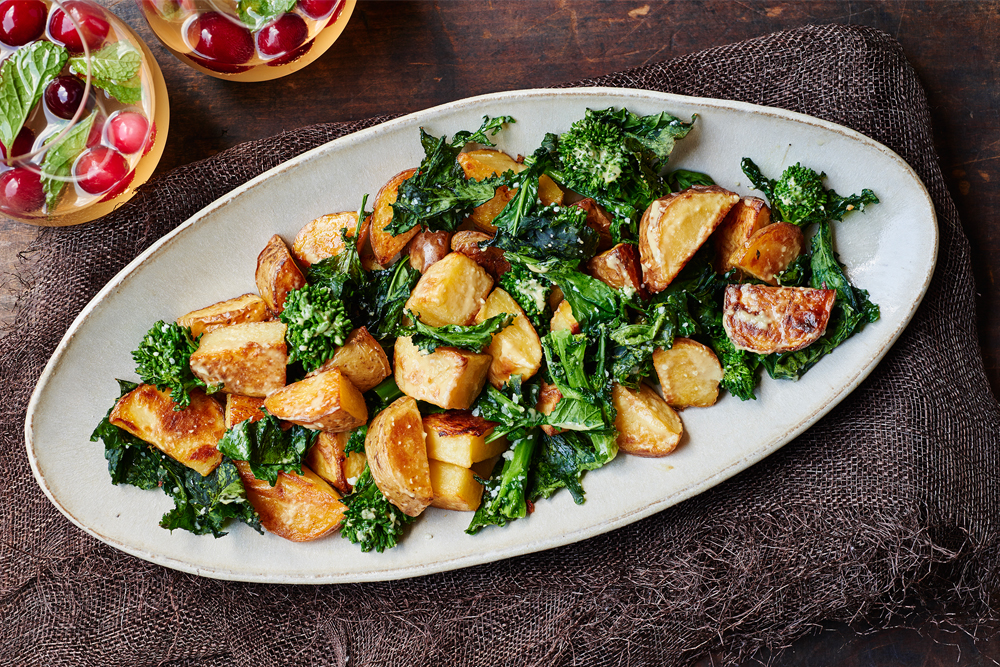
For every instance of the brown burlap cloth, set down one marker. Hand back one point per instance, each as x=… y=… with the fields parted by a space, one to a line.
x=890 y=500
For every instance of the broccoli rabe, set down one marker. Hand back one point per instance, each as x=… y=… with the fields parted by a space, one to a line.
x=268 y=448
x=474 y=337
x=505 y=492
x=356 y=441
x=370 y=520
x=317 y=323
x=163 y=359
x=531 y=293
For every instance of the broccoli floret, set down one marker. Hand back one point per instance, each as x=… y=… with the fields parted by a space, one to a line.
x=593 y=153
x=531 y=293
x=370 y=519
x=317 y=324
x=163 y=358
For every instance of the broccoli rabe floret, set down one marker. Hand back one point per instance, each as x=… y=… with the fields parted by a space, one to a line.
x=593 y=153
x=317 y=324
x=531 y=293
x=163 y=358
x=370 y=520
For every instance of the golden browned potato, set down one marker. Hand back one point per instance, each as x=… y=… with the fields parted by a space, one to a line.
x=246 y=308
x=384 y=245
x=326 y=458
x=323 y=237
x=549 y=191
x=241 y=408
x=765 y=319
x=247 y=359
x=354 y=465
x=323 y=402
x=674 y=227
x=689 y=374
x=646 y=425
x=451 y=292
x=277 y=274
x=483 y=163
x=563 y=318
x=484 y=469
x=548 y=396
x=459 y=437
x=748 y=216
x=361 y=359
x=397 y=456
x=618 y=267
x=455 y=487
x=428 y=247
x=517 y=349
x=188 y=436
x=447 y=377
x=299 y=508
x=599 y=219
x=770 y=250
x=491 y=259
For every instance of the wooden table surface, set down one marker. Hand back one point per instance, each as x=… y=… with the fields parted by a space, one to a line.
x=406 y=56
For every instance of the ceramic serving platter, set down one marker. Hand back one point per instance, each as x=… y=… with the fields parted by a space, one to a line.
x=890 y=250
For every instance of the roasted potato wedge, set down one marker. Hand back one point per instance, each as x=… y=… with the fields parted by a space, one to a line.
x=246 y=308
x=299 y=508
x=188 y=436
x=323 y=402
x=769 y=251
x=361 y=359
x=517 y=349
x=765 y=319
x=483 y=163
x=549 y=191
x=747 y=217
x=599 y=219
x=428 y=247
x=448 y=377
x=646 y=425
x=491 y=259
x=384 y=245
x=397 y=456
x=454 y=487
x=618 y=267
x=548 y=396
x=277 y=274
x=241 y=408
x=689 y=374
x=354 y=465
x=451 y=292
x=563 y=318
x=674 y=227
x=324 y=237
x=247 y=359
x=327 y=457
x=459 y=437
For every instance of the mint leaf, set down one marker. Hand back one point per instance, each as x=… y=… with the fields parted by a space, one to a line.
x=22 y=81
x=59 y=160
x=115 y=69
x=256 y=13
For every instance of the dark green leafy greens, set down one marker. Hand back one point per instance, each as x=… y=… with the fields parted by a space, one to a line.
x=115 y=69
x=317 y=324
x=370 y=520
x=267 y=448
x=356 y=441
x=163 y=358
x=474 y=337
x=23 y=77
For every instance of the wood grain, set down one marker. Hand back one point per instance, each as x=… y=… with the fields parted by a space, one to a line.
x=406 y=56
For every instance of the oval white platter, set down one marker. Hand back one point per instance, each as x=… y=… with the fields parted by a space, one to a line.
x=889 y=250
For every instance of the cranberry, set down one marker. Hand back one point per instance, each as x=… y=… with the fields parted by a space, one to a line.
x=120 y=188
x=333 y=17
x=91 y=19
x=127 y=131
x=23 y=143
x=21 y=191
x=317 y=9
x=64 y=95
x=217 y=38
x=150 y=140
x=96 y=131
x=99 y=169
x=21 y=21
x=286 y=33
x=291 y=57
x=219 y=67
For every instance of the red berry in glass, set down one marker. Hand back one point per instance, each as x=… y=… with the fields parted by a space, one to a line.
x=23 y=143
x=21 y=21
x=216 y=37
x=317 y=9
x=21 y=191
x=96 y=131
x=99 y=169
x=127 y=131
x=64 y=95
x=91 y=19
x=286 y=33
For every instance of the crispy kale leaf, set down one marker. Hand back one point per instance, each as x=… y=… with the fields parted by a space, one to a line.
x=682 y=179
x=474 y=337
x=163 y=358
x=381 y=304
x=531 y=293
x=266 y=447
x=559 y=463
x=317 y=324
x=370 y=520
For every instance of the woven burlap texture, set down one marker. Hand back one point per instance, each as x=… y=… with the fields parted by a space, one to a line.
x=893 y=497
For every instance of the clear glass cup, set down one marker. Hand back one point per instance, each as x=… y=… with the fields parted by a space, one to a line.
x=247 y=40
x=97 y=123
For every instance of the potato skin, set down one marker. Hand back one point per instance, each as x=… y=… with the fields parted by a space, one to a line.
x=428 y=247
x=241 y=309
x=491 y=259
x=448 y=377
x=361 y=359
x=618 y=267
x=599 y=219
x=548 y=396
x=322 y=238
x=300 y=508
x=277 y=274
x=384 y=245
x=749 y=215
x=689 y=374
x=769 y=251
x=646 y=425
x=765 y=319
x=397 y=456
x=248 y=359
x=188 y=436
x=323 y=402
x=451 y=292
x=326 y=458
